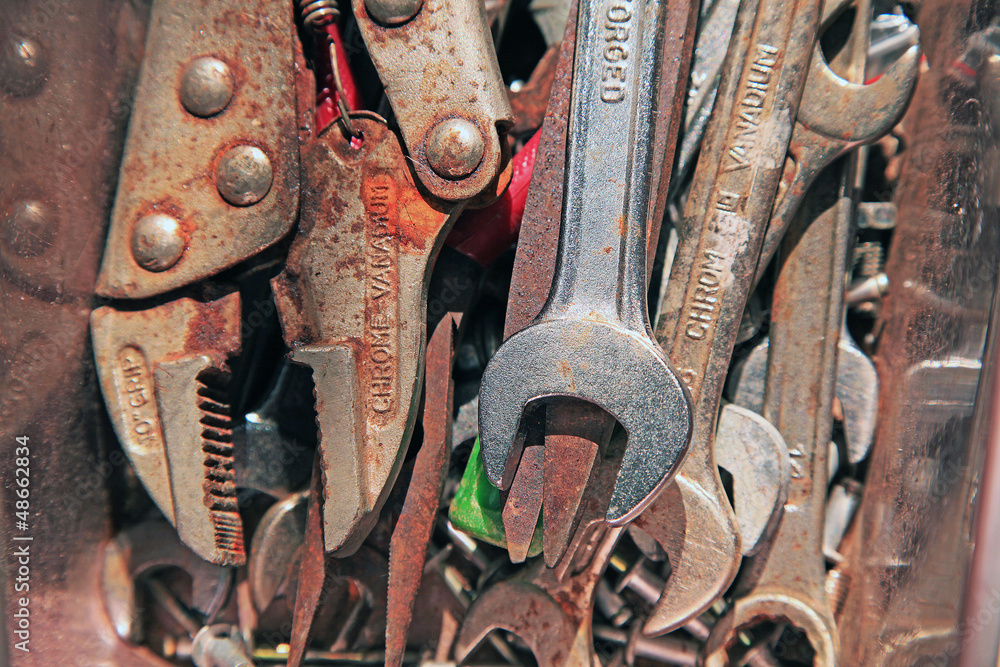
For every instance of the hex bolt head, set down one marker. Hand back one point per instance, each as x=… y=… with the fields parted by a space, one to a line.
x=244 y=175
x=393 y=12
x=29 y=227
x=157 y=242
x=24 y=66
x=455 y=147
x=206 y=86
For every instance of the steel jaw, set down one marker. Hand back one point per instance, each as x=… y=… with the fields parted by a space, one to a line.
x=163 y=373
x=357 y=318
x=603 y=364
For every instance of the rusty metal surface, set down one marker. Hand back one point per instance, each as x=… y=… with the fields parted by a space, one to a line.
x=174 y=160
x=89 y=53
x=566 y=448
x=912 y=547
x=412 y=533
x=164 y=375
x=725 y=217
x=358 y=320
x=531 y=101
x=438 y=67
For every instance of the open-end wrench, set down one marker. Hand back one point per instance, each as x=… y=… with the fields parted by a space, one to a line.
x=786 y=581
x=712 y=275
x=592 y=339
x=727 y=211
x=551 y=609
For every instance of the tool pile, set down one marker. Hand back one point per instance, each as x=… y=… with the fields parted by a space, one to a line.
x=570 y=332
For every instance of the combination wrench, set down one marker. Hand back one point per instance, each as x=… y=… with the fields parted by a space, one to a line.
x=786 y=580
x=592 y=339
x=734 y=194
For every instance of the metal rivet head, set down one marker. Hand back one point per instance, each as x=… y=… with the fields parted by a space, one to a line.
x=455 y=148
x=29 y=228
x=393 y=12
x=24 y=66
x=157 y=242
x=244 y=175
x=206 y=86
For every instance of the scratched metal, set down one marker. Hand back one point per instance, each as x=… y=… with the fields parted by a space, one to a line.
x=357 y=318
x=162 y=372
x=441 y=64
x=413 y=530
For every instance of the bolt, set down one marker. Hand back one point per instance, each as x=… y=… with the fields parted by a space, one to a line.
x=244 y=175
x=206 y=86
x=24 y=66
x=29 y=228
x=157 y=242
x=455 y=148
x=393 y=12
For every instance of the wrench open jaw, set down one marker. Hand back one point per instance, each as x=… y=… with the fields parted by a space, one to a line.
x=835 y=117
x=817 y=138
x=603 y=364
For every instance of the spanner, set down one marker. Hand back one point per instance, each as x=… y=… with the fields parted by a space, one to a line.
x=713 y=275
x=592 y=339
x=786 y=580
x=551 y=609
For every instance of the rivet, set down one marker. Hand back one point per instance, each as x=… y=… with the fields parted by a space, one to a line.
x=455 y=148
x=393 y=12
x=157 y=242
x=244 y=175
x=29 y=228
x=24 y=66
x=206 y=86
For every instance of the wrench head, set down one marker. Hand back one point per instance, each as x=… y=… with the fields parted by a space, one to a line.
x=813 y=617
x=618 y=370
x=853 y=113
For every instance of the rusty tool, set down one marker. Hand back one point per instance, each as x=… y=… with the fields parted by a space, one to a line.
x=164 y=375
x=786 y=580
x=439 y=67
x=413 y=530
x=357 y=320
x=551 y=609
x=210 y=174
x=591 y=339
x=733 y=196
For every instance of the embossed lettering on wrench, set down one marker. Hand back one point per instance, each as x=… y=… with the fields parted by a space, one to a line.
x=592 y=339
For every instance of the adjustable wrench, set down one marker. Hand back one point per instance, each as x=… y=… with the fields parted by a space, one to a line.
x=735 y=188
x=592 y=339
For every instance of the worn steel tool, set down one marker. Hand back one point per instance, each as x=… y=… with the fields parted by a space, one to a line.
x=358 y=320
x=732 y=198
x=591 y=340
x=164 y=373
x=786 y=580
x=441 y=76
x=412 y=533
x=551 y=609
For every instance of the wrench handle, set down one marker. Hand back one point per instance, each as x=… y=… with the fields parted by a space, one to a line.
x=602 y=245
